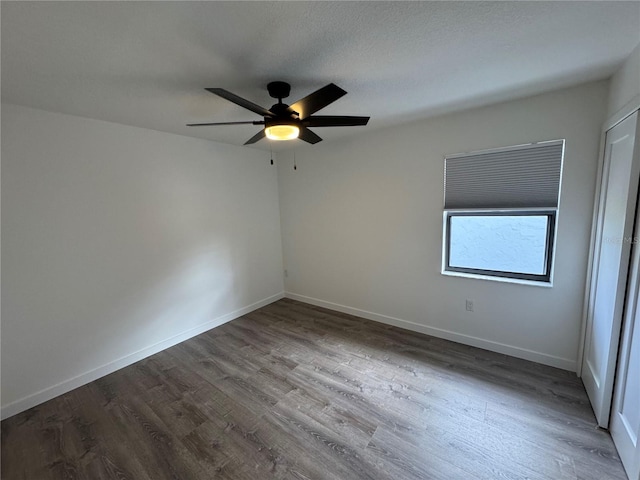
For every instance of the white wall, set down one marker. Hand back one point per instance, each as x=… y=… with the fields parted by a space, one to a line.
x=625 y=84
x=362 y=226
x=119 y=241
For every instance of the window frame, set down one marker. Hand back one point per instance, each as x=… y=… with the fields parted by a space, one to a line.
x=546 y=278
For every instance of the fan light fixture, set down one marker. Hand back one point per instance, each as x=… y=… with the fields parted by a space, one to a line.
x=284 y=122
x=282 y=132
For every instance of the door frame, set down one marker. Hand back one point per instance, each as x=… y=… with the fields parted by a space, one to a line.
x=630 y=322
x=629 y=109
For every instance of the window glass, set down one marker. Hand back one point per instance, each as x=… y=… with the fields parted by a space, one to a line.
x=507 y=243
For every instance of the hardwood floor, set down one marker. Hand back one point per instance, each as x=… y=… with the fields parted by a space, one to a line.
x=299 y=392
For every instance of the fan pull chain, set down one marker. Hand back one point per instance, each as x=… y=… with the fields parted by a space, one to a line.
x=295 y=167
x=271 y=149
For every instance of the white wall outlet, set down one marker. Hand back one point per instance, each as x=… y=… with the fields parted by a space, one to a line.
x=469 y=305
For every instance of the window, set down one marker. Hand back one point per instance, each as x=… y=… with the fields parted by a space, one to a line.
x=500 y=211
x=513 y=244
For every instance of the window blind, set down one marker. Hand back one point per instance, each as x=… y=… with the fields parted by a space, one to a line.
x=515 y=177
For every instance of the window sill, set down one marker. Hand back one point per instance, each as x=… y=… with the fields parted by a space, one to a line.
x=517 y=281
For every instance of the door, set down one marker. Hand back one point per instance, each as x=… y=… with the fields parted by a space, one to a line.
x=625 y=412
x=616 y=214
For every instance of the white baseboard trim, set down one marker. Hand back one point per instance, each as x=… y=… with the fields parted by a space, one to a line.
x=538 y=357
x=53 y=391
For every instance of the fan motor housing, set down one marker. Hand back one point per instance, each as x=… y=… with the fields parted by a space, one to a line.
x=279 y=90
x=281 y=110
x=272 y=122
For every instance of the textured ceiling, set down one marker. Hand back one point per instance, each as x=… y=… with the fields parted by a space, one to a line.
x=147 y=63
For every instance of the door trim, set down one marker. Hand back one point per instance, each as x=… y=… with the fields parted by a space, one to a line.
x=599 y=383
x=629 y=455
x=629 y=109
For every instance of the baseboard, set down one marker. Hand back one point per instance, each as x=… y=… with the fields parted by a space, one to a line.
x=48 y=393
x=538 y=357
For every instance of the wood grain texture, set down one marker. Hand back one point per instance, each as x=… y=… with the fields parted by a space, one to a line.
x=294 y=391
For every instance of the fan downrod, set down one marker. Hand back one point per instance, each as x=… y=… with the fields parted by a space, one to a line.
x=279 y=90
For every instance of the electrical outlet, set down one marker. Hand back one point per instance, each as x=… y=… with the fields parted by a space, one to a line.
x=469 y=305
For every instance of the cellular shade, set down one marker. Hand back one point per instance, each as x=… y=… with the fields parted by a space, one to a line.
x=515 y=177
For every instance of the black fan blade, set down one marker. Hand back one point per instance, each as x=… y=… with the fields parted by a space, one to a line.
x=308 y=136
x=223 y=123
x=256 y=137
x=334 y=121
x=317 y=100
x=232 y=97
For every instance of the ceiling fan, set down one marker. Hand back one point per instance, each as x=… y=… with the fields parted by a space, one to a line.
x=286 y=122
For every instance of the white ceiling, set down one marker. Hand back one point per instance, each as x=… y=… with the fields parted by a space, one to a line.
x=147 y=63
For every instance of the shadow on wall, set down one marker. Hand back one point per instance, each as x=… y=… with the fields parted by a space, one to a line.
x=128 y=320
x=192 y=295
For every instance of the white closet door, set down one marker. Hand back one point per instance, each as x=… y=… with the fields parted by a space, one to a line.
x=625 y=413
x=616 y=215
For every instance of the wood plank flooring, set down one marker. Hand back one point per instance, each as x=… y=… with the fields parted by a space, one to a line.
x=293 y=391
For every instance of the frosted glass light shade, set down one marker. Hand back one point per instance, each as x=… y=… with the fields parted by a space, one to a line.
x=282 y=132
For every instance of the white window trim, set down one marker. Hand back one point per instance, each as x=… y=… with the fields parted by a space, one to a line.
x=495 y=278
x=531 y=283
